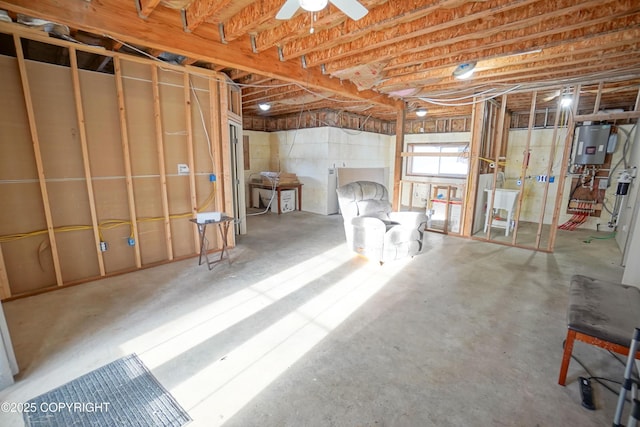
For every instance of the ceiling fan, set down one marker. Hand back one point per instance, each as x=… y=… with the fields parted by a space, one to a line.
x=352 y=8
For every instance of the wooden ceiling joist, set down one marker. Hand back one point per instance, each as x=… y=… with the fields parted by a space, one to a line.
x=163 y=30
x=617 y=40
x=385 y=17
x=413 y=28
x=199 y=10
x=566 y=56
x=146 y=7
x=250 y=17
x=552 y=32
x=505 y=27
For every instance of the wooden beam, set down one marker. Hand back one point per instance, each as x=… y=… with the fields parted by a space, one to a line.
x=397 y=162
x=163 y=30
x=157 y=116
x=124 y=136
x=35 y=140
x=551 y=161
x=570 y=129
x=470 y=204
x=608 y=116
x=216 y=145
x=334 y=29
x=82 y=132
x=5 y=289
x=146 y=7
x=409 y=29
x=525 y=166
x=199 y=10
x=186 y=81
x=503 y=34
x=250 y=17
x=621 y=41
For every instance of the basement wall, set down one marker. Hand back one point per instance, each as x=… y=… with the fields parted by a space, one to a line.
x=136 y=200
x=310 y=153
x=540 y=148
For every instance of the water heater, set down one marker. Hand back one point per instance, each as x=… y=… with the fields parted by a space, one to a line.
x=591 y=148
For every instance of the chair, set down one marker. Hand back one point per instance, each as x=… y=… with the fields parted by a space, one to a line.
x=600 y=313
x=372 y=229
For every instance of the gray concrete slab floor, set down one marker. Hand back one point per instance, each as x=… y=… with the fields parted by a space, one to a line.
x=298 y=331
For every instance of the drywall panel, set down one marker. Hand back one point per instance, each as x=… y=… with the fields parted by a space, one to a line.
x=181 y=228
x=16 y=152
x=76 y=248
x=202 y=136
x=100 y=104
x=56 y=121
x=151 y=232
x=138 y=94
x=28 y=261
x=111 y=204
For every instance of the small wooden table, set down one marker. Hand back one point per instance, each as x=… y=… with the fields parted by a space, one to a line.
x=278 y=188
x=223 y=227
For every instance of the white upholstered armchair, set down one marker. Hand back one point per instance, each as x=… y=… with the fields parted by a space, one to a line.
x=372 y=229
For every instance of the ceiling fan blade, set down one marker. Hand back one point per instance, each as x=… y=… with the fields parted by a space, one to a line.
x=288 y=9
x=352 y=8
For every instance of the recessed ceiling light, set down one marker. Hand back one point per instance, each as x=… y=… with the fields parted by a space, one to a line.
x=313 y=5
x=464 y=71
x=421 y=112
x=264 y=107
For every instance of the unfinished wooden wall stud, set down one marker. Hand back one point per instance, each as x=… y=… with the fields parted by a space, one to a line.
x=100 y=173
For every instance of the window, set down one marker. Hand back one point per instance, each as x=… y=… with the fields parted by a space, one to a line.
x=447 y=159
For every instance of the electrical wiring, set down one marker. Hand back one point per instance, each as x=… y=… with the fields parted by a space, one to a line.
x=599 y=380
x=447 y=103
x=108 y=224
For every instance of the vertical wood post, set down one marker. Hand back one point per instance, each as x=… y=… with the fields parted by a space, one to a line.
x=565 y=166
x=26 y=89
x=190 y=158
x=397 y=162
x=157 y=115
x=124 y=134
x=82 y=131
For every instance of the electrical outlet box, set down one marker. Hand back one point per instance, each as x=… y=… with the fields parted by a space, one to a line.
x=603 y=184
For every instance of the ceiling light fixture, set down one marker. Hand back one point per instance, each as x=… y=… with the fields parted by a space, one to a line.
x=421 y=112
x=264 y=107
x=566 y=101
x=313 y=5
x=464 y=71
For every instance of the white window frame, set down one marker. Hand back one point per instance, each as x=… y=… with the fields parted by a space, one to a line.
x=411 y=154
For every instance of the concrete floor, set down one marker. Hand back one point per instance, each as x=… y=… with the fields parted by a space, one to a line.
x=298 y=331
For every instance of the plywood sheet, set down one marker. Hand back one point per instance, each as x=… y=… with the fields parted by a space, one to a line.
x=69 y=203
x=22 y=212
x=182 y=236
x=56 y=121
x=151 y=232
x=111 y=204
x=179 y=203
x=174 y=123
x=76 y=249
x=77 y=254
x=202 y=134
x=102 y=124
x=29 y=264
x=138 y=97
x=16 y=152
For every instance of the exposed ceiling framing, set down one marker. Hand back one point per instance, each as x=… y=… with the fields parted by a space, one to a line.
x=402 y=53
